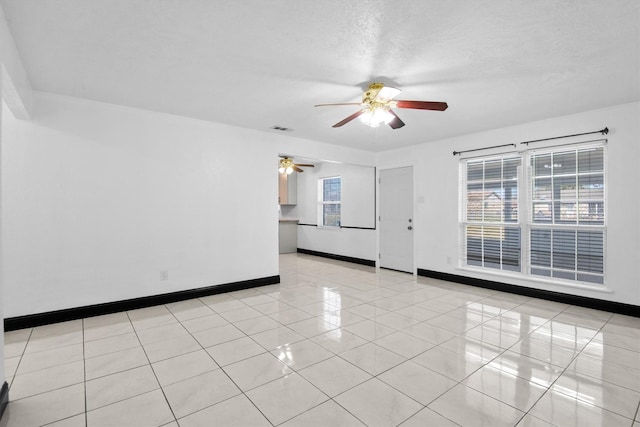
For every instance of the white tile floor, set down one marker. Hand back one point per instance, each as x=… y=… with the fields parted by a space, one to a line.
x=334 y=344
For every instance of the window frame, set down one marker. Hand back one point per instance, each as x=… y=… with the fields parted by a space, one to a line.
x=525 y=202
x=576 y=227
x=465 y=222
x=322 y=203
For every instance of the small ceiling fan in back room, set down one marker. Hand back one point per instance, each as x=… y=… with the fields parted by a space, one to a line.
x=287 y=165
x=377 y=103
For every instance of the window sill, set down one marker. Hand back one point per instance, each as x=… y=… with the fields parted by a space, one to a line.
x=534 y=279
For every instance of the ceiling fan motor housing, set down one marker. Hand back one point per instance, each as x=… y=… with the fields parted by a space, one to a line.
x=371 y=94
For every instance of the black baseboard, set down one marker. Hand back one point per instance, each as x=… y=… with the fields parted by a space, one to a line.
x=360 y=261
x=4 y=398
x=395 y=269
x=598 y=304
x=32 y=320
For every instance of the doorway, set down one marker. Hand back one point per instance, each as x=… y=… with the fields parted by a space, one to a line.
x=396 y=219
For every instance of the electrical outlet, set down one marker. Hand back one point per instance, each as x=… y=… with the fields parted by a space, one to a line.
x=164 y=275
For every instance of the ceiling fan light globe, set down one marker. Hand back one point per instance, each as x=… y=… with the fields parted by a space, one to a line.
x=376 y=117
x=281 y=169
x=366 y=117
x=289 y=170
x=386 y=116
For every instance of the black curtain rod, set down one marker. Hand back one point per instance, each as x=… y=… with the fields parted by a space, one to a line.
x=602 y=131
x=455 y=153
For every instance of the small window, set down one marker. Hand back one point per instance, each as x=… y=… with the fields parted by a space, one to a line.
x=329 y=200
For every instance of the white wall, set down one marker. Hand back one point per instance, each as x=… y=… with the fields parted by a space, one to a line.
x=2 y=297
x=357 y=210
x=98 y=199
x=436 y=181
x=17 y=92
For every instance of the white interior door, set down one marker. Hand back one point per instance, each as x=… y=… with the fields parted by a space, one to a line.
x=396 y=219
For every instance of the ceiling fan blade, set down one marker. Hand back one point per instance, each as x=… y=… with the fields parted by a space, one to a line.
x=396 y=123
x=305 y=165
x=387 y=93
x=348 y=119
x=422 y=105
x=296 y=168
x=342 y=103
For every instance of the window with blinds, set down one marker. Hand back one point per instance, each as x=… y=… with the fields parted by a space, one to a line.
x=329 y=201
x=490 y=227
x=555 y=229
x=567 y=214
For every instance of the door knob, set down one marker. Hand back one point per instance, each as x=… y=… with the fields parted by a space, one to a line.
x=409 y=228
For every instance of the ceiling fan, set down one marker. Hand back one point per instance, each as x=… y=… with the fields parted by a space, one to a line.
x=287 y=166
x=377 y=103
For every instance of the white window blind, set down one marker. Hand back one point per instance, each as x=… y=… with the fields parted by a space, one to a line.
x=562 y=234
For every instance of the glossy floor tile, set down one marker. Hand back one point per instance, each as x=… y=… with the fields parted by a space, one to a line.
x=334 y=344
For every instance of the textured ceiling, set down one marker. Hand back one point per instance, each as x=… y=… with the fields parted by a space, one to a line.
x=256 y=63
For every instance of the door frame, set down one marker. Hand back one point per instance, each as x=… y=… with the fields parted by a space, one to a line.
x=379 y=169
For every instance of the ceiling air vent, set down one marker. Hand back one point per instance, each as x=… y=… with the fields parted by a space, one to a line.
x=281 y=128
